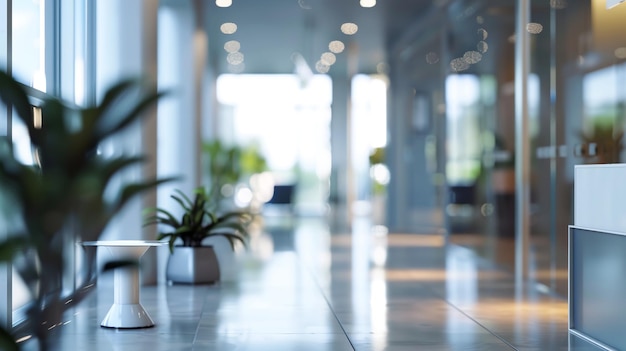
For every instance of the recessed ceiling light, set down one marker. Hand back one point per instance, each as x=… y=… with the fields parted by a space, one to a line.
x=235 y=58
x=228 y=28
x=328 y=58
x=558 y=4
x=382 y=68
x=482 y=33
x=472 y=57
x=534 y=28
x=336 y=46
x=368 y=3
x=304 y=5
x=223 y=3
x=236 y=68
x=321 y=67
x=620 y=53
x=432 y=58
x=349 y=28
x=232 y=46
x=459 y=64
x=482 y=47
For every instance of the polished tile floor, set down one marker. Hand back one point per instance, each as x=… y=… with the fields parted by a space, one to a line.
x=303 y=286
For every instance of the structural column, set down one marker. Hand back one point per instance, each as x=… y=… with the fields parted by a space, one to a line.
x=340 y=185
x=522 y=142
x=182 y=50
x=126 y=46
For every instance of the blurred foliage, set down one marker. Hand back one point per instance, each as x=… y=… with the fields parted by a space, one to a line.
x=377 y=165
x=377 y=156
x=62 y=198
x=609 y=139
x=230 y=164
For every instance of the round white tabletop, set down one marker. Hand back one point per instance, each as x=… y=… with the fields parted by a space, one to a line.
x=141 y=243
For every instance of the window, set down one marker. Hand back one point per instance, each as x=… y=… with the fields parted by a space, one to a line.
x=29 y=49
x=290 y=123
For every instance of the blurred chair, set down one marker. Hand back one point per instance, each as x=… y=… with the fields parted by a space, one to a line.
x=279 y=213
x=283 y=196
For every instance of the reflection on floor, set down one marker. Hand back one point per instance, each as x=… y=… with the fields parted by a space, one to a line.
x=313 y=289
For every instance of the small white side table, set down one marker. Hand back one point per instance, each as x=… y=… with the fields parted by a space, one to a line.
x=127 y=311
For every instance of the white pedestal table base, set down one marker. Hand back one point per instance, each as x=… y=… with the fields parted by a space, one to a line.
x=126 y=311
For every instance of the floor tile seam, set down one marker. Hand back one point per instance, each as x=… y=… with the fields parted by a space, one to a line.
x=328 y=303
x=199 y=324
x=252 y=332
x=488 y=267
x=470 y=317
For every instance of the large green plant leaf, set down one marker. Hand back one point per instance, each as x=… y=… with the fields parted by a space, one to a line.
x=10 y=247
x=14 y=94
x=6 y=341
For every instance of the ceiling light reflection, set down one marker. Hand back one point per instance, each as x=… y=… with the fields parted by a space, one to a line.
x=432 y=58
x=558 y=4
x=223 y=3
x=620 y=53
x=482 y=33
x=22 y=339
x=336 y=46
x=472 y=57
x=459 y=64
x=234 y=58
x=349 y=28
x=534 y=28
x=321 y=67
x=232 y=46
x=236 y=68
x=304 y=5
x=368 y=3
x=328 y=58
x=482 y=47
x=382 y=68
x=228 y=28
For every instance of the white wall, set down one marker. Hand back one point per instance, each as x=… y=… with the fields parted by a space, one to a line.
x=126 y=40
x=178 y=144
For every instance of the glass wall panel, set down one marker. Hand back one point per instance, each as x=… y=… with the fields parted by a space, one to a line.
x=30 y=22
x=480 y=137
x=543 y=144
x=369 y=138
x=579 y=61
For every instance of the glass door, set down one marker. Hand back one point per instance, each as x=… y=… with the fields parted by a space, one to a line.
x=579 y=60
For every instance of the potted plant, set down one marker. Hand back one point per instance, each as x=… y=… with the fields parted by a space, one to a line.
x=191 y=260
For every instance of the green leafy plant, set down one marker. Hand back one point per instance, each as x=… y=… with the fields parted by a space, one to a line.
x=62 y=197
x=198 y=221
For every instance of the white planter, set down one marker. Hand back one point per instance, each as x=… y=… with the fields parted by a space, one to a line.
x=193 y=265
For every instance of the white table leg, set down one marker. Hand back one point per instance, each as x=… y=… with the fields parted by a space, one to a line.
x=127 y=311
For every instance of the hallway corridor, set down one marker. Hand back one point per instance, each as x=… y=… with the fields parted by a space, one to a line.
x=310 y=289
